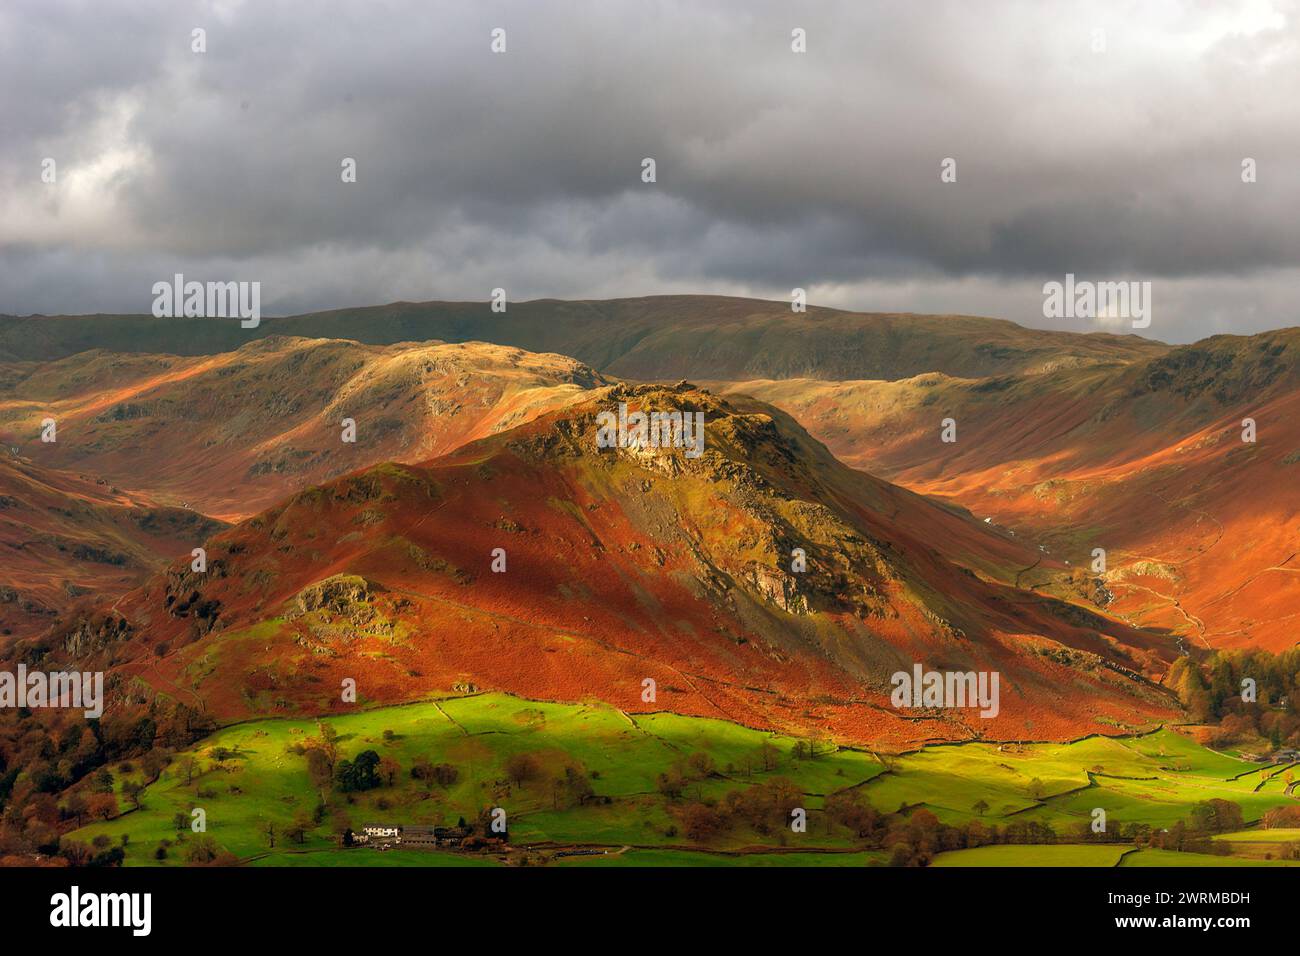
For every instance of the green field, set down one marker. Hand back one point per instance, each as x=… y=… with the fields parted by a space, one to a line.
x=1150 y=857
x=1280 y=835
x=1149 y=779
x=1154 y=779
x=1060 y=855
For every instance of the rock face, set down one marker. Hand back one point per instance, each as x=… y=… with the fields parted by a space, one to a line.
x=336 y=594
x=340 y=610
x=761 y=581
x=89 y=636
x=778 y=588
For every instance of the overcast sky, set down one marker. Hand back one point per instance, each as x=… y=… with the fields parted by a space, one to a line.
x=774 y=169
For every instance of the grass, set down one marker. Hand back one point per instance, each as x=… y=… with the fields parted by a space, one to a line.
x=1027 y=855
x=1155 y=778
x=263 y=782
x=1279 y=835
x=674 y=857
x=1175 y=859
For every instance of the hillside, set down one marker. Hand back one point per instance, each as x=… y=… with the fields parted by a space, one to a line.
x=67 y=539
x=654 y=338
x=626 y=564
x=1146 y=461
x=254 y=774
x=233 y=433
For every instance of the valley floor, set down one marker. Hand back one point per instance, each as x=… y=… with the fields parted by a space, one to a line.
x=252 y=784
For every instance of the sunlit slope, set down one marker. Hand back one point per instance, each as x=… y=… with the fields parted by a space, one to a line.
x=253 y=775
x=233 y=433
x=1201 y=528
x=633 y=563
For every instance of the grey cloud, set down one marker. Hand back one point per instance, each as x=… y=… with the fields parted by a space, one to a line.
x=774 y=170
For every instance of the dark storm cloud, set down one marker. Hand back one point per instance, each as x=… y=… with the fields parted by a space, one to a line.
x=775 y=169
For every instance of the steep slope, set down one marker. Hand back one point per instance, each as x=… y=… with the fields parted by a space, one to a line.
x=66 y=538
x=650 y=338
x=231 y=434
x=624 y=564
x=1201 y=529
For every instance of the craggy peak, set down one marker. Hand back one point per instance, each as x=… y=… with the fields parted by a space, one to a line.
x=442 y=439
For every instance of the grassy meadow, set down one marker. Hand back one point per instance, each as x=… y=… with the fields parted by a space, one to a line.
x=248 y=777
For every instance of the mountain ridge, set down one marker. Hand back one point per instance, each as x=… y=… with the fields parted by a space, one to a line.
x=623 y=564
x=662 y=338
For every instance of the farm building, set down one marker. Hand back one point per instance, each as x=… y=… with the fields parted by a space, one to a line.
x=379 y=833
x=413 y=835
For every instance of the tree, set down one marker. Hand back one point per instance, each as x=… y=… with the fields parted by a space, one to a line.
x=133 y=792
x=201 y=850
x=328 y=744
x=521 y=768
x=110 y=857
x=75 y=807
x=153 y=763
x=190 y=768
x=981 y=807
x=103 y=806
x=77 y=854
x=850 y=809
x=359 y=773
x=343 y=775
x=1216 y=816
x=389 y=769
x=297 y=830
x=671 y=783
x=701 y=763
x=320 y=769
x=328 y=734
x=575 y=785
x=902 y=855
x=701 y=822
x=341 y=827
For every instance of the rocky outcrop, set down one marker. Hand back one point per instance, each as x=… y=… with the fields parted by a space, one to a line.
x=337 y=594
x=88 y=636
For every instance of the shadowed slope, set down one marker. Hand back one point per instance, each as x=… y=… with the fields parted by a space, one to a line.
x=66 y=539
x=626 y=564
x=649 y=338
x=1201 y=529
